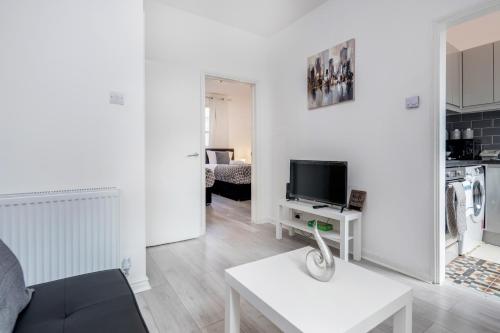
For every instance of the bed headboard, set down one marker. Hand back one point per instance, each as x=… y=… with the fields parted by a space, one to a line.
x=218 y=149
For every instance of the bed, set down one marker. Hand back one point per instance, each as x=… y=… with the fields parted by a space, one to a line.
x=233 y=180
x=209 y=184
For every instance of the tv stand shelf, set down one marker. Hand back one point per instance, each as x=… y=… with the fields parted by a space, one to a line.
x=347 y=219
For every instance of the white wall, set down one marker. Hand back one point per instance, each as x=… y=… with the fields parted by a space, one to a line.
x=185 y=46
x=58 y=62
x=238 y=124
x=389 y=148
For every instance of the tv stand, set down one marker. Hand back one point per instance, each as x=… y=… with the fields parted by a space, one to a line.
x=346 y=218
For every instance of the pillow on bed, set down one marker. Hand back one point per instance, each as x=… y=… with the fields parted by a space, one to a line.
x=222 y=157
x=212 y=159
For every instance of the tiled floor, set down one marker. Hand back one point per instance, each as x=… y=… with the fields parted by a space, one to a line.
x=476 y=273
x=487 y=252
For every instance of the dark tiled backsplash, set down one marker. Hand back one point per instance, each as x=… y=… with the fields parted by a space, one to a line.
x=486 y=126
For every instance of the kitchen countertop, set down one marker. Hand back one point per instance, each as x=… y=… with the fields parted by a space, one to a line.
x=464 y=163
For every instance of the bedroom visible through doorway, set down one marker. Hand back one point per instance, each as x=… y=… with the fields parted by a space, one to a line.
x=228 y=140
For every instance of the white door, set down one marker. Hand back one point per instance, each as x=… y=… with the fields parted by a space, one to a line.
x=173 y=156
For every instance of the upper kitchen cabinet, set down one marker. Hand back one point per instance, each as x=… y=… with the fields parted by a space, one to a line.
x=477 y=76
x=496 y=83
x=453 y=77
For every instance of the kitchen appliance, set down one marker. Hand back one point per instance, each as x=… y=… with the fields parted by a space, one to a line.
x=468 y=133
x=320 y=181
x=475 y=222
x=456 y=174
x=463 y=149
x=490 y=154
x=473 y=181
x=456 y=134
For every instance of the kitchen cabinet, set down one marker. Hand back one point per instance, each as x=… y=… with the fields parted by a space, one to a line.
x=496 y=65
x=477 y=76
x=453 y=74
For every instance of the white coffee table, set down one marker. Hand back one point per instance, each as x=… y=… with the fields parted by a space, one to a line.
x=355 y=300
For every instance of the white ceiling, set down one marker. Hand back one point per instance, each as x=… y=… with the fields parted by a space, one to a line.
x=480 y=31
x=262 y=17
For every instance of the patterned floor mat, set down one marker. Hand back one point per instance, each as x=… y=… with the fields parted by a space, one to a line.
x=475 y=273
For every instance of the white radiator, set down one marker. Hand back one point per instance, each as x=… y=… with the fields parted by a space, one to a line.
x=62 y=233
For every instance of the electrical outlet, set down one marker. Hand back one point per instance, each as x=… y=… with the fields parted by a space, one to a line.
x=116 y=98
x=412 y=102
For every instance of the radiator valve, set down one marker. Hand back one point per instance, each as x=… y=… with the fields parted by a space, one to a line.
x=126 y=265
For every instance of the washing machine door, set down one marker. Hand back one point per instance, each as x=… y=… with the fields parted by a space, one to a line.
x=478 y=199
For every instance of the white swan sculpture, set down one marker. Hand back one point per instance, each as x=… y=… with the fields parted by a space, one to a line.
x=320 y=263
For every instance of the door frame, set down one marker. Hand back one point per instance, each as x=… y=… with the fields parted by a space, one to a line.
x=254 y=85
x=439 y=119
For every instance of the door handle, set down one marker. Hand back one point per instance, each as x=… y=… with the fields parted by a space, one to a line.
x=193 y=155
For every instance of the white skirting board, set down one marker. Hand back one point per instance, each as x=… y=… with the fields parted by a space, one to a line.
x=382 y=262
x=141 y=285
x=405 y=271
x=263 y=221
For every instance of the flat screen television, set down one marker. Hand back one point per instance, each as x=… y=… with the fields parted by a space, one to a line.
x=322 y=181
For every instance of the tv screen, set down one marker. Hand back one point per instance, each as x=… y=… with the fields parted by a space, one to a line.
x=321 y=181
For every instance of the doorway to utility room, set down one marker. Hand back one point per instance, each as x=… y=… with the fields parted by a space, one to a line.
x=228 y=133
x=472 y=175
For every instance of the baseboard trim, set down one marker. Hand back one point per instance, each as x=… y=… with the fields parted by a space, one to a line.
x=140 y=285
x=263 y=221
x=378 y=261
x=381 y=262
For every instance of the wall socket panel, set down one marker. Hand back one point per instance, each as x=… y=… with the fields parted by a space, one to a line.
x=116 y=98
x=412 y=102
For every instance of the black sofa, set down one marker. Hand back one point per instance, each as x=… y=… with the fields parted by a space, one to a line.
x=96 y=302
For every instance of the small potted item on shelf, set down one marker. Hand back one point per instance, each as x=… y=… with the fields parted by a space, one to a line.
x=321 y=225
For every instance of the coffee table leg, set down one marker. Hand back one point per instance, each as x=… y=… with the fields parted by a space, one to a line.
x=403 y=319
x=232 y=320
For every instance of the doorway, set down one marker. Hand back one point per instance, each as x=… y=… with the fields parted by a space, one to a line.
x=228 y=149
x=465 y=129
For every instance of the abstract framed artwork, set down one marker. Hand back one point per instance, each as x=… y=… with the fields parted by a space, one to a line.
x=330 y=76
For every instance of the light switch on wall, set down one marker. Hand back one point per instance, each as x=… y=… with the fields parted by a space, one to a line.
x=412 y=102
x=116 y=98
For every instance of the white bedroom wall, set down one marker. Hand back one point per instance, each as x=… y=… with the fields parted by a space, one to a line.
x=238 y=123
x=59 y=60
x=185 y=46
x=389 y=148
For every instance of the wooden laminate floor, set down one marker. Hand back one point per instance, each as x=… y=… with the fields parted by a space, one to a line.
x=187 y=282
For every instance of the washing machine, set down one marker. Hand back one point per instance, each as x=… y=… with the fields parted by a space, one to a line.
x=475 y=220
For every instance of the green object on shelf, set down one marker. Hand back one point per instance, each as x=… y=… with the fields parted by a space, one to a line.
x=321 y=225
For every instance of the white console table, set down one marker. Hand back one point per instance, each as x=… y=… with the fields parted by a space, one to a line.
x=348 y=219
